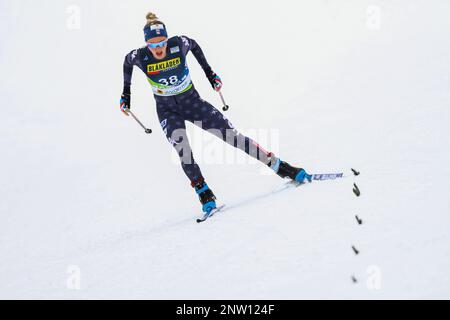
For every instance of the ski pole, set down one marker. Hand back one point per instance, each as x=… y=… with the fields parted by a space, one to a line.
x=225 y=106
x=147 y=131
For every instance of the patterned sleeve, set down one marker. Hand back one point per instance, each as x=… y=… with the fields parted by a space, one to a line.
x=191 y=45
x=130 y=61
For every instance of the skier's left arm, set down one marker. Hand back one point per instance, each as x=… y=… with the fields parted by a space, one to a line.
x=192 y=45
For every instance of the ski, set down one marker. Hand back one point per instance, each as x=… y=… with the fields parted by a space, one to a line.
x=206 y=216
x=327 y=176
x=318 y=177
x=286 y=185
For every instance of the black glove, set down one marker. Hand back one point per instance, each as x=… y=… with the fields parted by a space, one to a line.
x=214 y=79
x=125 y=100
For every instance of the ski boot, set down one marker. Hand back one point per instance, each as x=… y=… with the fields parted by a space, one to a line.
x=285 y=170
x=206 y=196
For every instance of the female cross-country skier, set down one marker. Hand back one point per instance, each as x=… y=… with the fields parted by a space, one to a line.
x=163 y=60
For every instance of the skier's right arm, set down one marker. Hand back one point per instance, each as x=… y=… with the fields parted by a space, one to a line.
x=125 y=99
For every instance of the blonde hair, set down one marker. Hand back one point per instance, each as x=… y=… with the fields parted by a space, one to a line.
x=152 y=19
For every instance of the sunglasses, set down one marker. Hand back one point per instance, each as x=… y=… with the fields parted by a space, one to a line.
x=157 y=44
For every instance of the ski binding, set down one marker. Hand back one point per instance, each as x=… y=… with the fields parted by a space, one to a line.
x=208 y=215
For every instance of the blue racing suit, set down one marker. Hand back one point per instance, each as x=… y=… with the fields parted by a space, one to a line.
x=177 y=101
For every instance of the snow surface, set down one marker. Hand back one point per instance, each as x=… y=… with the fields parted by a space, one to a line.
x=85 y=192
